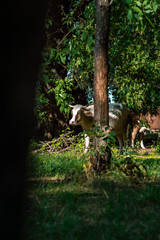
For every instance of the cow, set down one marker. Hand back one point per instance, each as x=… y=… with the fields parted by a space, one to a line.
x=153 y=125
x=119 y=117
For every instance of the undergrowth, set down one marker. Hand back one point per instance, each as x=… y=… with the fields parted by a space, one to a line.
x=64 y=203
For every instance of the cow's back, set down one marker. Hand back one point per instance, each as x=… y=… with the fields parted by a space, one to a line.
x=153 y=121
x=118 y=117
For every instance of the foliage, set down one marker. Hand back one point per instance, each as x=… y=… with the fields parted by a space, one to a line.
x=63 y=94
x=134 y=53
x=79 y=47
x=75 y=51
x=72 y=55
x=134 y=56
x=41 y=103
x=158 y=147
x=66 y=141
x=42 y=92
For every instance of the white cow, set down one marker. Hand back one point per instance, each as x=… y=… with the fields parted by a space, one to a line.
x=119 y=117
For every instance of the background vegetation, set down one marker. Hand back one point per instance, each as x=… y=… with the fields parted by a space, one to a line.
x=66 y=74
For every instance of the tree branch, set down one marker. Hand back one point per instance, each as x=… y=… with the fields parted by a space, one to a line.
x=104 y=3
x=69 y=33
x=110 y=3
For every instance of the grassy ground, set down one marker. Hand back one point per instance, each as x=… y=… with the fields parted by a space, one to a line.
x=62 y=203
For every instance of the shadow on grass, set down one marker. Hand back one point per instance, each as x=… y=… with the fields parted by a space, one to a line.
x=123 y=203
x=99 y=209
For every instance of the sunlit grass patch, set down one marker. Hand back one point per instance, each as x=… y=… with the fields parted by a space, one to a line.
x=50 y=165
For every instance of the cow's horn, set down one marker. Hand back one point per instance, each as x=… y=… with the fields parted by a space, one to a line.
x=71 y=106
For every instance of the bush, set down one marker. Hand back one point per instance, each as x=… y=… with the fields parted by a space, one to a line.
x=158 y=147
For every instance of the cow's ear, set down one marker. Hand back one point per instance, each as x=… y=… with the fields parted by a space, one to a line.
x=85 y=108
x=71 y=106
x=87 y=111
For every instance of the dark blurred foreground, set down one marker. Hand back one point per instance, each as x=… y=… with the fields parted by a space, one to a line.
x=21 y=44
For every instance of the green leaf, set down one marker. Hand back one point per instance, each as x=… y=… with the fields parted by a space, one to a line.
x=138 y=10
x=148 y=6
x=145 y=2
x=63 y=58
x=113 y=134
x=137 y=16
x=128 y=1
x=139 y=3
x=148 y=20
x=148 y=11
x=155 y=6
x=129 y=14
x=87 y=47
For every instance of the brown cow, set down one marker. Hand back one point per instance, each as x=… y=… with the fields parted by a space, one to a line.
x=153 y=122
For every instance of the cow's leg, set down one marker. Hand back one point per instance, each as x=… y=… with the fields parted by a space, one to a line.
x=134 y=133
x=142 y=131
x=124 y=138
x=86 y=143
x=141 y=140
x=120 y=140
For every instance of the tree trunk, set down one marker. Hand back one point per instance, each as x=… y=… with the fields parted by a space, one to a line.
x=101 y=72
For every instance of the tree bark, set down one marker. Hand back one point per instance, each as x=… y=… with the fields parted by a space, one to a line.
x=101 y=70
x=101 y=64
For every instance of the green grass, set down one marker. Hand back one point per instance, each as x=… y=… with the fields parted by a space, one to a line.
x=55 y=165
x=61 y=203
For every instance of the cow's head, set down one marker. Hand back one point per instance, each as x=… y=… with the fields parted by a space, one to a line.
x=77 y=114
